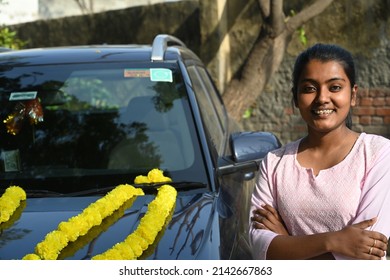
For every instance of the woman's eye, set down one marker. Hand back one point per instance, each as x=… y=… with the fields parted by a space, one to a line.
x=335 y=88
x=308 y=89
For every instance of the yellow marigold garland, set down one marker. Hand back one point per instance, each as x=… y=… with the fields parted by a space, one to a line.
x=151 y=249
x=154 y=176
x=15 y=216
x=79 y=225
x=10 y=201
x=157 y=216
x=82 y=241
x=146 y=232
x=151 y=224
x=159 y=211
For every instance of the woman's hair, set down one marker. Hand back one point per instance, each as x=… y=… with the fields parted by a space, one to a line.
x=324 y=53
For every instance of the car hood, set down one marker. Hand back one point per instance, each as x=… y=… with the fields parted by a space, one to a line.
x=192 y=232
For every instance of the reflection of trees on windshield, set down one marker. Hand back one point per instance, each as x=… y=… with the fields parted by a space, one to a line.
x=86 y=94
x=11 y=78
x=81 y=127
x=12 y=234
x=166 y=93
x=140 y=146
x=7 y=233
x=7 y=83
x=68 y=140
x=134 y=151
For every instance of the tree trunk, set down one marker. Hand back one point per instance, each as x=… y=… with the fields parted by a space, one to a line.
x=263 y=61
x=266 y=55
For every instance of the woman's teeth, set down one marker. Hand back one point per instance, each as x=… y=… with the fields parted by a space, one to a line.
x=323 y=112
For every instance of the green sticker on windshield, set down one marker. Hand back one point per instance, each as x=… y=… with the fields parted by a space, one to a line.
x=161 y=75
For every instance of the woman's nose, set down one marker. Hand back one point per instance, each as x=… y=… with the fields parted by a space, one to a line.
x=323 y=95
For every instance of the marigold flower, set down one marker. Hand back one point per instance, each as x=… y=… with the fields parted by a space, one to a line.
x=10 y=201
x=156 y=176
x=50 y=248
x=31 y=257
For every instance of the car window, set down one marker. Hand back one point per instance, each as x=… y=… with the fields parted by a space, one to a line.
x=208 y=111
x=214 y=97
x=95 y=120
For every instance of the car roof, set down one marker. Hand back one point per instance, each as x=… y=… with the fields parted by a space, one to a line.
x=159 y=51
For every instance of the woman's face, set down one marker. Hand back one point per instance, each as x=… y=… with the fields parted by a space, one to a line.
x=324 y=95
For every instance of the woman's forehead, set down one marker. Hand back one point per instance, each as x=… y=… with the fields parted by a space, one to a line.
x=323 y=71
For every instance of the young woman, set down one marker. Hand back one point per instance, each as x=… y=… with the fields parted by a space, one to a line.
x=326 y=195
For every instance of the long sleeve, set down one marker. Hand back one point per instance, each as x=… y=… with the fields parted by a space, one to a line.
x=260 y=239
x=375 y=197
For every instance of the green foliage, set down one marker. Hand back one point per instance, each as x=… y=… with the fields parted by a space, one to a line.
x=8 y=39
x=247 y=113
x=91 y=94
x=302 y=36
x=301 y=31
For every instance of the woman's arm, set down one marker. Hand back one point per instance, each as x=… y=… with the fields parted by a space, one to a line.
x=375 y=198
x=353 y=241
x=260 y=239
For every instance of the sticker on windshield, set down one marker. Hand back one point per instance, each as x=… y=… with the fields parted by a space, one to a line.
x=27 y=95
x=11 y=160
x=136 y=73
x=161 y=75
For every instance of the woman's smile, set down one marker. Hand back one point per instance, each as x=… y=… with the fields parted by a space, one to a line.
x=322 y=112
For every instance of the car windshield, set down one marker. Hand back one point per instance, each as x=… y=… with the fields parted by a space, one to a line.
x=72 y=127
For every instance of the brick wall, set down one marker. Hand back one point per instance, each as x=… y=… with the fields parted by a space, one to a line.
x=372 y=113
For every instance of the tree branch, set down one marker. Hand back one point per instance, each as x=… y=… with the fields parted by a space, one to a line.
x=307 y=13
x=277 y=17
x=265 y=8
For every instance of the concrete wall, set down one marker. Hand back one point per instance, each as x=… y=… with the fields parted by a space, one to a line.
x=132 y=25
x=228 y=31
x=20 y=11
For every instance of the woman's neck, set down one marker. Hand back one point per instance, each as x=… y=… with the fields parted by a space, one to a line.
x=322 y=151
x=330 y=140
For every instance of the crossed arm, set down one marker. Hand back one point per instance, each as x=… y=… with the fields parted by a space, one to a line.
x=354 y=241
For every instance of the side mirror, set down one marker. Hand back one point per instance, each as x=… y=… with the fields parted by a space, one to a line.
x=252 y=145
x=248 y=148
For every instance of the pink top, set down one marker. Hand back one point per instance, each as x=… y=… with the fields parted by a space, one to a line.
x=356 y=189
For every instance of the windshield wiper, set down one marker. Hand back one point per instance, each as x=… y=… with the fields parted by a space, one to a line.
x=147 y=188
x=42 y=193
x=180 y=186
x=94 y=191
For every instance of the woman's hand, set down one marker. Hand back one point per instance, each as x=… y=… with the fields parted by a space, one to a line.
x=357 y=242
x=268 y=218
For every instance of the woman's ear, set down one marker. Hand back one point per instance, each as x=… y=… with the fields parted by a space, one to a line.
x=354 y=95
